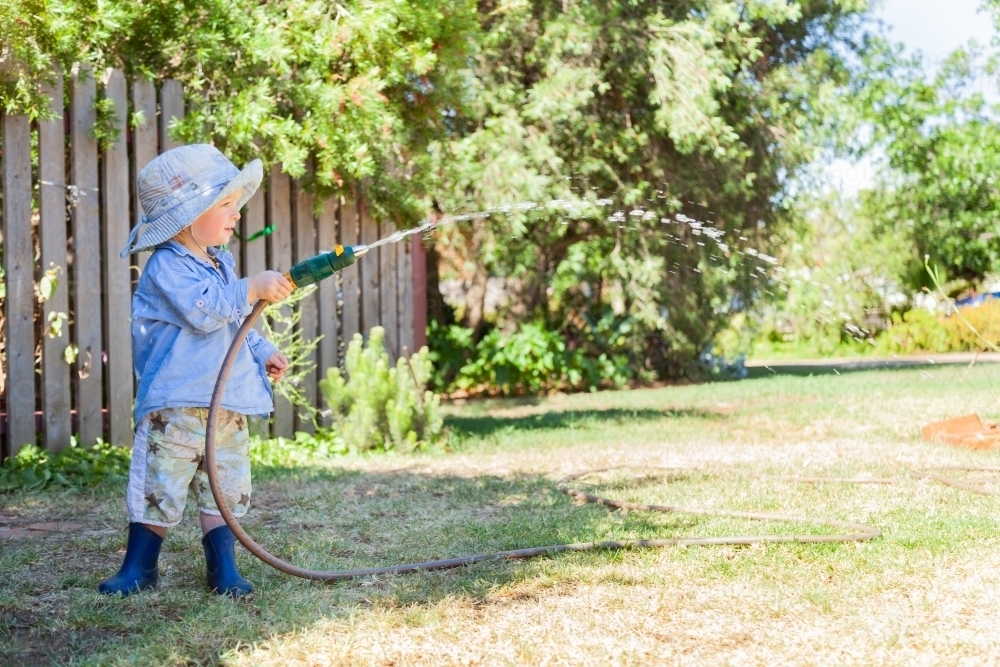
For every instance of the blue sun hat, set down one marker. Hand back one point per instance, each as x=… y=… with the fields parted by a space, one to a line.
x=181 y=184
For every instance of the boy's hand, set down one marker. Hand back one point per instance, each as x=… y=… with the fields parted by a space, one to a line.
x=268 y=285
x=276 y=366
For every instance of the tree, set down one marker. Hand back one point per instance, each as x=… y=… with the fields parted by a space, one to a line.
x=353 y=91
x=702 y=109
x=941 y=147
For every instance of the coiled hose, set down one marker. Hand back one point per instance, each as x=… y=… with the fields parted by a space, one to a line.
x=852 y=532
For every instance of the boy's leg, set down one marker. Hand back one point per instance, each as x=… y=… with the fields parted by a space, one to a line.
x=232 y=460
x=152 y=505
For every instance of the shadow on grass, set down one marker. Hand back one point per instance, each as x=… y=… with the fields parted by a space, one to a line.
x=488 y=425
x=316 y=518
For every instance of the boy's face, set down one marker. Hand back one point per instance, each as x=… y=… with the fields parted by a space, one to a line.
x=215 y=226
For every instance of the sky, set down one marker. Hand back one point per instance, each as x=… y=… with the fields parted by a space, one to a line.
x=936 y=28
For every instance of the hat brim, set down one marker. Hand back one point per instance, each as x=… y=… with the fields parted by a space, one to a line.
x=247 y=181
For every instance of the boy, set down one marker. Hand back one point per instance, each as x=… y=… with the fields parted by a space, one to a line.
x=185 y=313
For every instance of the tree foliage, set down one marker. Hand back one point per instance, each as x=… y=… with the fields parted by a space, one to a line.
x=636 y=116
x=939 y=188
x=352 y=91
x=704 y=109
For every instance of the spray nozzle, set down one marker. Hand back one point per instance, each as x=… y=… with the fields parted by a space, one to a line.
x=324 y=265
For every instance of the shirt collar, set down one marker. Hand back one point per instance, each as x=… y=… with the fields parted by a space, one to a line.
x=213 y=251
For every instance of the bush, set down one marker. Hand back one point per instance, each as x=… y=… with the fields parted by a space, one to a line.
x=34 y=469
x=379 y=407
x=921 y=331
x=531 y=361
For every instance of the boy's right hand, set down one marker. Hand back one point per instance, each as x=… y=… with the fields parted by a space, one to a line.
x=268 y=285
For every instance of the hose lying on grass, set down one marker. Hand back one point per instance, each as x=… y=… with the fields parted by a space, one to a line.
x=853 y=532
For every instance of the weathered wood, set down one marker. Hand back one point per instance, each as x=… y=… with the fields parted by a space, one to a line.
x=418 y=257
x=327 y=325
x=144 y=149
x=305 y=247
x=236 y=248
x=86 y=273
x=254 y=252
x=388 y=294
x=56 y=425
x=371 y=306
x=18 y=260
x=117 y=279
x=350 y=278
x=404 y=293
x=279 y=205
x=171 y=107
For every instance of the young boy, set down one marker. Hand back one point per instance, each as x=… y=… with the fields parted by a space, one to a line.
x=185 y=313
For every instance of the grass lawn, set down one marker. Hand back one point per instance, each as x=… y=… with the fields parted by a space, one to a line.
x=926 y=592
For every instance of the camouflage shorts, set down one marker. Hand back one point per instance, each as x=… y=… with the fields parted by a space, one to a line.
x=168 y=462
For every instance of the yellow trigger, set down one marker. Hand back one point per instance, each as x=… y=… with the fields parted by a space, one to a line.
x=339 y=250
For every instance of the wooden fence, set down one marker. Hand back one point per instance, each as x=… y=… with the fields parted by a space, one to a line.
x=70 y=213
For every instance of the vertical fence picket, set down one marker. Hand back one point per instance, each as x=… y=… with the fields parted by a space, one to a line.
x=117 y=278
x=254 y=252
x=52 y=243
x=144 y=145
x=404 y=294
x=418 y=272
x=305 y=247
x=279 y=206
x=86 y=274
x=387 y=291
x=18 y=260
x=371 y=309
x=350 y=278
x=327 y=325
x=236 y=248
x=171 y=107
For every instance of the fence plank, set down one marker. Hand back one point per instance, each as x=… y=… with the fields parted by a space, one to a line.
x=117 y=278
x=236 y=248
x=418 y=259
x=305 y=247
x=279 y=206
x=86 y=272
x=254 y=252
x=350 y=278
x=387 y=290
x=371 y=309
x=171 y=107
x=57 y=427
x=404 y=293
x=144 y=146
x=18 y=260
x=327 y=325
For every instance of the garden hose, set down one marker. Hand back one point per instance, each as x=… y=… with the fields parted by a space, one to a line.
x=317 y=269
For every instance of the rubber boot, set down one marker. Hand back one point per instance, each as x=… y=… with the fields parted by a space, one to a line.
x=140 y=570
x=220 y=557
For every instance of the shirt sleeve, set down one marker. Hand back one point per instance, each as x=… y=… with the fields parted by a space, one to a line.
x=261 y=347
x=199 y=303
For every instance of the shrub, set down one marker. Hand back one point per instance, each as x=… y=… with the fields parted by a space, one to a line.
x=378 y=407
x=921 y=331
x=302 y=450
x=34 y=469
x=531 y=361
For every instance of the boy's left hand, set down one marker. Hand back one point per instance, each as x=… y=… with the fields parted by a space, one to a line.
x=276 y=366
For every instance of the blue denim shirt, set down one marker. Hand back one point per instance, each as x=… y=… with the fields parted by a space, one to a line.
x=185 y=314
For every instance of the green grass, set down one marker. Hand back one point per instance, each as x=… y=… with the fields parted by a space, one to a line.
x=923 y=592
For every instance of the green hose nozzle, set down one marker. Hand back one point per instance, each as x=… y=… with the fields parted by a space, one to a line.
x=325 y=265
